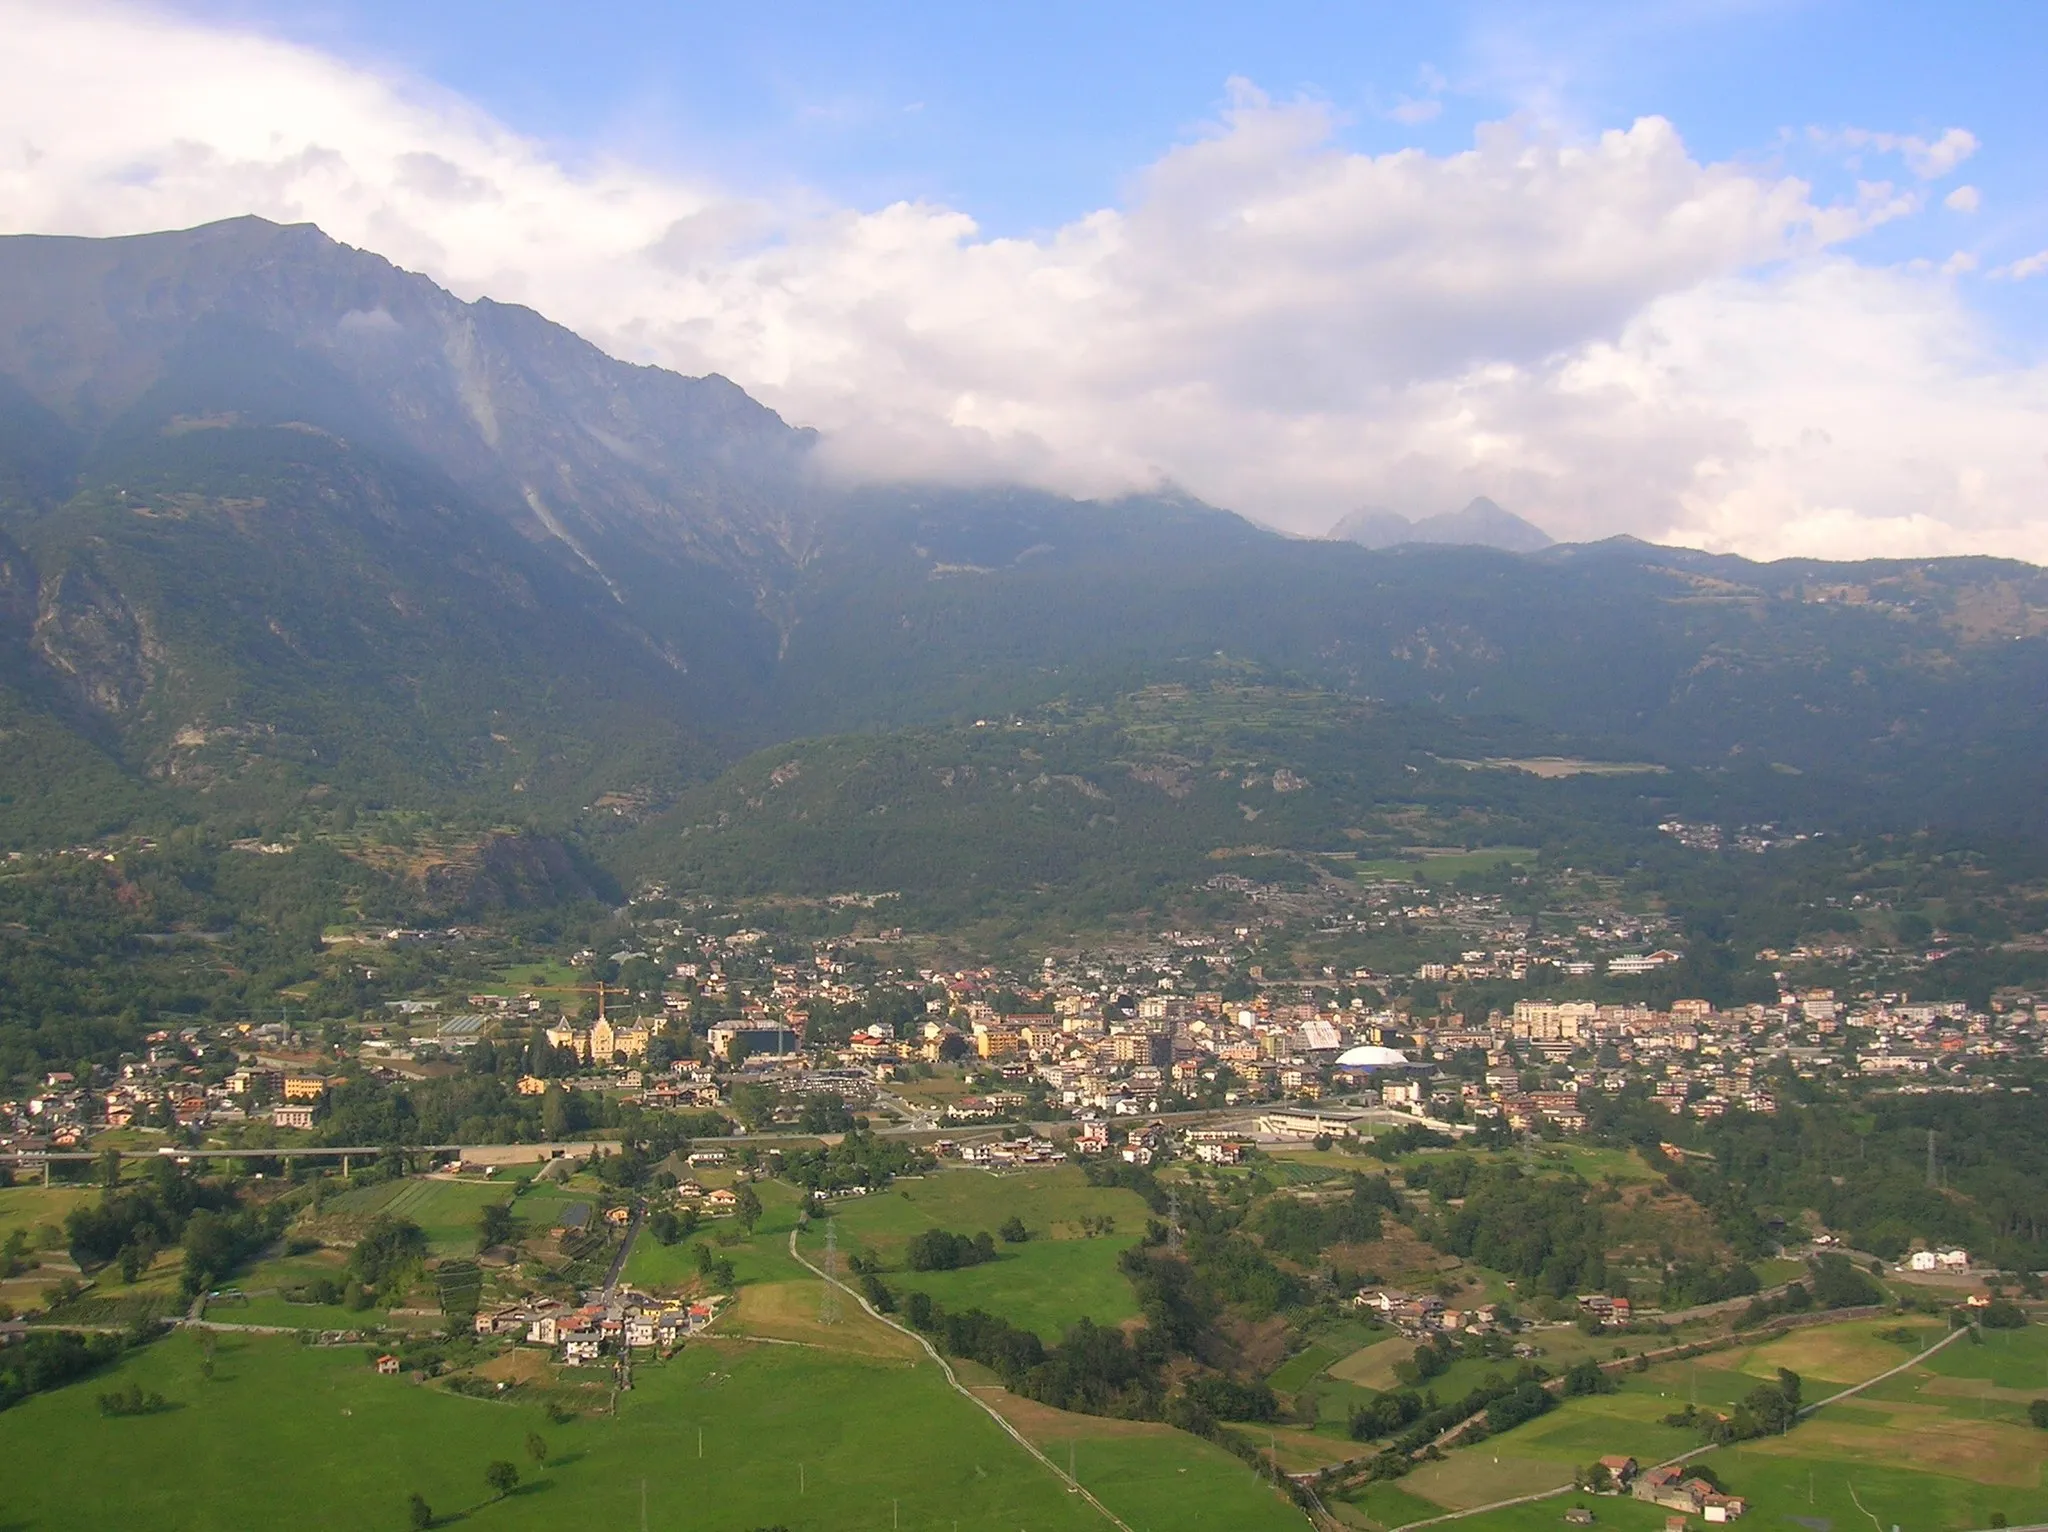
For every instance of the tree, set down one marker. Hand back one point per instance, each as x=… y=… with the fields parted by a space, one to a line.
x=110 y=1168
x=554 y=1113
x=754 y=1104
x=748 y=1207
x=2037 y=1412
x=419 y=1515
x=494 y=1226
x=1013 y=1231
x=388 y=1248
x=502 y=1477
x=536 y=1447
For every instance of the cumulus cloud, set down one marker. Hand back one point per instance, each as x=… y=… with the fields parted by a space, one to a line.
x=1603 y=333
x=1964 y=199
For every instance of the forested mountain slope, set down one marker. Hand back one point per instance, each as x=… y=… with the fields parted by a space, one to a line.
x=279 y=520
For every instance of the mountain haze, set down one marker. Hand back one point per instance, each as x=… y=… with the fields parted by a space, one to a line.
x=1480 y=524
x=280 y=521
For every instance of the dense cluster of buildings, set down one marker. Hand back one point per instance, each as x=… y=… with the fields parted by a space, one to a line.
x=583 y=1334
x=1187 y=1020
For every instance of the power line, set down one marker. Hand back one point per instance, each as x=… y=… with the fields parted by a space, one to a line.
x=828 y=1301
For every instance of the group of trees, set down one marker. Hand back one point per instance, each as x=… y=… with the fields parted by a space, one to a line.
x=859 y=1159
x=49 y=1359
x=943 y=1250
x=1687 y=1283
x=1414 y=1420
x=1094 y=1370
x=1863 y=1167
x=1542 y=1230
x=1769 y=1409
x=1302 y=1230
x=388 y=1253
x=130 y=1224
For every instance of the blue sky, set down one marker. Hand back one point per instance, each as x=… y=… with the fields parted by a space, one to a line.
x=1029 y=115
x=1756 y=275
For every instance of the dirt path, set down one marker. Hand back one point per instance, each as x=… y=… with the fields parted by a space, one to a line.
x=1686 y=1457
x=953 y=1382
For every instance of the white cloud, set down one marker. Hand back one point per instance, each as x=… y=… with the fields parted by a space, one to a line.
x=1411 y=111
x=1930 y=160
x=1964 y=199
x=1602 y=333
x=2020 y=270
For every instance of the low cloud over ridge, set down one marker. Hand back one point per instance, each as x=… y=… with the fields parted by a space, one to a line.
x=1605 y=335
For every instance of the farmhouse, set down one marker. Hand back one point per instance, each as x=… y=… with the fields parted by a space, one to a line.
x=1669 y=1488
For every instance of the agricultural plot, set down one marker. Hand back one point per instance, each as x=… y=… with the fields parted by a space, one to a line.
x=1301 y=1369
x=1943 y=1447
x=1372 y=1366
x=1058 y=1276
x=795 y=1311
x=446 y=1210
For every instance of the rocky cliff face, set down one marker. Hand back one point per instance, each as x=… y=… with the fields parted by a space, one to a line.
x=618 y=464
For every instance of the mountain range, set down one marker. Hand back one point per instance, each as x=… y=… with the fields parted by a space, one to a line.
x=1480 y=524
x=282 y=525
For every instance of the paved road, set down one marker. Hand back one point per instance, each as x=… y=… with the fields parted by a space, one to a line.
x=611 y=1278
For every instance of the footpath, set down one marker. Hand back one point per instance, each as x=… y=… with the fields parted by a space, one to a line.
x=1074 y=1486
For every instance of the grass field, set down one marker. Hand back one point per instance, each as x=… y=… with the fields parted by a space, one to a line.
x=763 y=1257
x=1445 y=864
x=806 y=1439
x=791 y=1311
x=1387 y=1504
x=1299 y=1370
x=1372 y=1366
x=541 y=974
x=28 y=1207
x=446 y=1210
x=1158 y=1479
x=1056 y=1277
x=1941 y=1448
x=1481 y=1476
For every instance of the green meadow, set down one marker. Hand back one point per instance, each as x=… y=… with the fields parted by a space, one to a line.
x=1444 y=864
x=725 y=1436
x=762 y=1256
x=446 y=1210
x=1943 y=1447
x=29 y=1207
x=1061 y=1274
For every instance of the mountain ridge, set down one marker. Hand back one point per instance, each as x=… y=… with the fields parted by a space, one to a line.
x=278 y=519
x=1480 y=523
